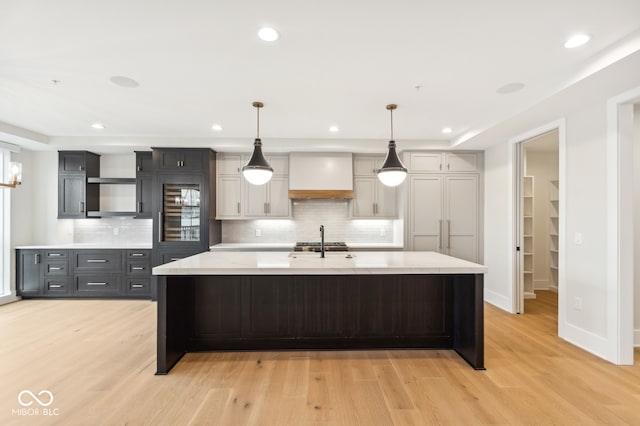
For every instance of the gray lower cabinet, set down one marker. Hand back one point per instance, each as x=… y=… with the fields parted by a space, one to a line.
x=109 y=273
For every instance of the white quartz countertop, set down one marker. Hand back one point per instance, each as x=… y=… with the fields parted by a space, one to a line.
x=307 y=263
x=79 y=246
x=253 y=247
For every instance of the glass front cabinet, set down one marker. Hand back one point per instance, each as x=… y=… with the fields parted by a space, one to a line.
x=180 y=217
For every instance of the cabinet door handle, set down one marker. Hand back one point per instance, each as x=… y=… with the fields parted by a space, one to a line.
x=440 y=235
x=448 y=166
x=137 y=254
x=55 y=286
x=96 y=261
x=448 y=234
x=137 y=285
x=138 y=169
x=173 y=259
x=80 y=168
x=81 y=206
x=269 y=208
x=137 y=268
x=55 y=254
x=238 y=207
x=440 y=166
x=96 y=283
x=139 y=206
x=55 y=268
x=264 y=208
x=159 y=227
x=36 y=259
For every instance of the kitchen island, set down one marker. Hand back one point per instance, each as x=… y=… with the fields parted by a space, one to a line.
x=227 y=301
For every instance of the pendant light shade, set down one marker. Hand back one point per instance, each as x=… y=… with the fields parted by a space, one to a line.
x=257 y=171
x=392 y=172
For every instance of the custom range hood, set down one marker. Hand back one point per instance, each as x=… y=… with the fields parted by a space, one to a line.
x=320 y=175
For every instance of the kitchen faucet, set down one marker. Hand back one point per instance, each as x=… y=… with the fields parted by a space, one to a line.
x=321 y=240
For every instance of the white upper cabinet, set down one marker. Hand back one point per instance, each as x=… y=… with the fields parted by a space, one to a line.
x=372 y=199
x=442 y=162
x=238 y=199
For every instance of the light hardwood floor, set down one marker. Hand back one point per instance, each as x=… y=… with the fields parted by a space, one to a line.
x=97 y=357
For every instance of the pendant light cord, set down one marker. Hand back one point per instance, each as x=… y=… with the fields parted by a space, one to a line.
x=391 y=111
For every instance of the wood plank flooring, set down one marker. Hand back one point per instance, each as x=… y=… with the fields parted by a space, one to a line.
x=97 y=357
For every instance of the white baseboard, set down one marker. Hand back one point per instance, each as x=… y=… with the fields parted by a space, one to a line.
x=590 y=342
x=636 y=338
x=541 y=284
x=553 y=288
x=8 y=298
x=498 y=300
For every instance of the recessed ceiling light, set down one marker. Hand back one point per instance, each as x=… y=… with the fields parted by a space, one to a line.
x=122 y=81
x=509 y=88
x=98 y=126
x=577 y=40
x=268 y=34
x=447 y=130
x=216 y=127
x=334 y=129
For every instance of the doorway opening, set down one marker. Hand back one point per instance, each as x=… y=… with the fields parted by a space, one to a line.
x=537 y=217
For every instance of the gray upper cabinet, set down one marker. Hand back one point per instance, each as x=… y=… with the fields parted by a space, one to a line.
x=144 y=185
x=75 y=196
x=181 y=160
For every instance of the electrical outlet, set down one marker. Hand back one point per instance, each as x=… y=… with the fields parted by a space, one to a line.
x=577 y=238
x=115 y=231
x=383 y=232
x=258 y=232
x=577 y=303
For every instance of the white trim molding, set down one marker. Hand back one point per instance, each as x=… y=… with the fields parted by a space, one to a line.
x=619 y=221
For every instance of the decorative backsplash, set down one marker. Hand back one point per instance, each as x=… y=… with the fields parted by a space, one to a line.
x=308 y=215
x=104 y=230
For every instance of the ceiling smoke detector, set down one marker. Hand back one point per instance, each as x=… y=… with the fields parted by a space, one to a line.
x=122 y=81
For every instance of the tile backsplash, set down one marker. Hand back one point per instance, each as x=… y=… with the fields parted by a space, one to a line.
x=104 y=230
x=308 y=215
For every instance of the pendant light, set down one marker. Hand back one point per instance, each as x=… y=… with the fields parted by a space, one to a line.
x=393 y=172
x=257 y=171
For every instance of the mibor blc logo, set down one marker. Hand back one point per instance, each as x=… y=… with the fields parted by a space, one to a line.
x=35 y=404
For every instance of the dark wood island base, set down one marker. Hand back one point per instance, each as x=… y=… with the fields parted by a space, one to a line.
x=325 y=312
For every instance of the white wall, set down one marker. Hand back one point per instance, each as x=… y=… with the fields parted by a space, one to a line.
x=498 y=282
x=585 y=209
x=636 y=229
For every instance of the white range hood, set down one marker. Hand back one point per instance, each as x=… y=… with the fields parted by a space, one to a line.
x=314 y=175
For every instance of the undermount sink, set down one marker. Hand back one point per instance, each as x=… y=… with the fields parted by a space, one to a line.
x=310 y=254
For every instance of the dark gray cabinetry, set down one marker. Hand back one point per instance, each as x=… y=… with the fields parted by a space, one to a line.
x=75 y=196
x=144 y=185
x=112 y=273
x=29 y=272
x=183 y=203
x=181 y=159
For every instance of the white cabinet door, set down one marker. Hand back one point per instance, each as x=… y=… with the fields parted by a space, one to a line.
x=278 y=202
x=425 y=212
x=425 y=162
x=255 y=200
x=386 y=200
x=228 y=197
x=464 y=162
x=279 y=164
x=366 y=166
x=229 y=164
x=461 y=214
x=362 y=203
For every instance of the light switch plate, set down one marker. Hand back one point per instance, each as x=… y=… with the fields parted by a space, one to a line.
x=577 y=238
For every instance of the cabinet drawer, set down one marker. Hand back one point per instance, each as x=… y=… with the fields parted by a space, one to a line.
x=56 y=286
x=138 y=254
x=170 y=256
x=138 y=268
x=98 y=260
x=56 y=254
x=96 y=284
x=139 y=286
x=53 y=267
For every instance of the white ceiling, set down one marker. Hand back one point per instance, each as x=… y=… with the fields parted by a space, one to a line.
x=199 y=62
